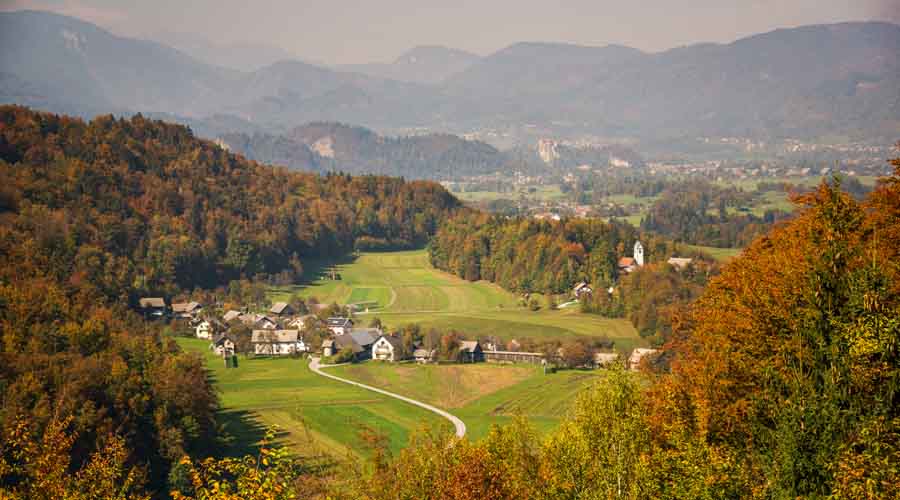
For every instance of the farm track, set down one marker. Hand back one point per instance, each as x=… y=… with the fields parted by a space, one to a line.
x=458 y=424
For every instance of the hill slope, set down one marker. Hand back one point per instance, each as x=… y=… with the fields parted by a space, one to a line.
x=325 y=147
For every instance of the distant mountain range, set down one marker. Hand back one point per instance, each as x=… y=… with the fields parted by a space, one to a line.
x=334 y=147
x=426 y=64
x=840 y=80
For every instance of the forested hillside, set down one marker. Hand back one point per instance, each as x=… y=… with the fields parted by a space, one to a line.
x=143 y=206
x=333 y=147
x=94 y=215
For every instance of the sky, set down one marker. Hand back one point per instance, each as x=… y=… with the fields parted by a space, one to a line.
x=343 y=31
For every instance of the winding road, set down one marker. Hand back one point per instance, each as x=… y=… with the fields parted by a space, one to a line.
x=457 y=423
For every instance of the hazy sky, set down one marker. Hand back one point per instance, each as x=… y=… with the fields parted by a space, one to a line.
x=342 y=31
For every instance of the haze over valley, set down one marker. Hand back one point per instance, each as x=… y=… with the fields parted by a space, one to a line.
x=502 y=250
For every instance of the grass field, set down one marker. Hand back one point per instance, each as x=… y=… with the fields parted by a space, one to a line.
x=402 y=288
x=541 y=193
x=720 y=254
x=317 y=416
x=481 y=394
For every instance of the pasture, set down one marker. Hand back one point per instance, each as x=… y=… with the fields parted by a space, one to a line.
x=402 y=288
x=720 y=254
x=480 y=394
x=316 y=416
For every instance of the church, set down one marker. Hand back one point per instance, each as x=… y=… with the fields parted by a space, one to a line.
x=629 y=264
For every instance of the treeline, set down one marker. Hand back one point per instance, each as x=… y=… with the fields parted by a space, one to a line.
x=704 y=214
x=93 y=401
x=653 y=296
x=783 y=382
x=527 y=255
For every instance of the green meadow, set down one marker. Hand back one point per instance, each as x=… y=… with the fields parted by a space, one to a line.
x=480 y=394
x=720 y=254
x=402 y=288
x=315 y=416
x=321 y=417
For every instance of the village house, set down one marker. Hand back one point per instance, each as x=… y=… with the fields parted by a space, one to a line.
x=626 y=264
x=365 y=337
x=630 y=264
x=302 y=322
x=153 y=307
x=634 y=361
x=339 y=326
x=679 y=262
x=328 y=348
x=259 y=321
x=277 y=342
x=208 y=328
x=387 y=348
x=342 y=342
x=231 y=316
x=495 y=356
x=282 y=310
x=423 y=356
x=470 y=352
x=604 y=359
x=186 y=310
x=223 y=345
x=582 y=288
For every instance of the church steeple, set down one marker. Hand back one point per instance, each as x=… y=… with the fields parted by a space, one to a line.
x=638 y=254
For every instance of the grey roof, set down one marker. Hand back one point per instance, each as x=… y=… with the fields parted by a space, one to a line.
x=365 y=336
x=255 y=319
x=232 y=314
x=147 y=302
x=275 y=336
x=344 y=322
x=397 y=342
x=279 y=307
x=344 y=341
x=185 y=307
x=222 y=338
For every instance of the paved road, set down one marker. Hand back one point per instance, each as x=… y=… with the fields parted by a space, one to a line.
x=457 y=423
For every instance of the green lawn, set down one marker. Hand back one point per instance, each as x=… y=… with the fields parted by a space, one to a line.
x=720 y=254
x=403 y=288
x=317 y=416
x=542 y=193
x=480 y=394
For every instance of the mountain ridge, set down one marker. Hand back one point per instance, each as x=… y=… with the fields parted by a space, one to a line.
x=814 y=81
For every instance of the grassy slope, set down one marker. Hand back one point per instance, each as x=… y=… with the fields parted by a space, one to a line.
x=482 y=394
x=720 y=254
x=406 y=289
x=316 y=415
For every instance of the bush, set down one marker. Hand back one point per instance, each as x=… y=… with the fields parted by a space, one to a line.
x=344 y=356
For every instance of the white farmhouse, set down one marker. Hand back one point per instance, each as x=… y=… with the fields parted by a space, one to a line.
x=223 y=345
x=203 y=330
x=340 y=326
x=277 y=342
x=634 y=361
x=387 y=348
